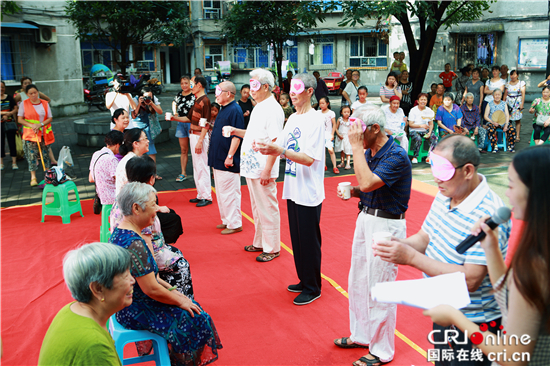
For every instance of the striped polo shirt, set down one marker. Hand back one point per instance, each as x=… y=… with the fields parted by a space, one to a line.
x=447 y=228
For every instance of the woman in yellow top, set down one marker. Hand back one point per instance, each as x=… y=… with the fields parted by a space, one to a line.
x=98 y=276
x=36 y=117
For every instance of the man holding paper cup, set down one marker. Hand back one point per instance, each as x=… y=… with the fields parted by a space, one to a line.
x=224 y=157
x=464 y=197
x=383 y=172
x=266 y=123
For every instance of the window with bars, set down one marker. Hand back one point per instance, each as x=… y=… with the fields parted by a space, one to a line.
x=251 y=57
x=478 y=49
x=16 y=52
x=323 y=50
x=366 y=51
x=291 y=50
x=212 y=54
x=212 y=9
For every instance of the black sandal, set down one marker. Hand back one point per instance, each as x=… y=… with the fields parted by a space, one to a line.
x=252 y=248
x=344 y=343
x=374 y=362
x=266 y=257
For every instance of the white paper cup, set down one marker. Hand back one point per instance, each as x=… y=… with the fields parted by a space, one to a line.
x=202 y=122
x=345 y=190
x=381 y=236
x=168 y=116
x=226 y=131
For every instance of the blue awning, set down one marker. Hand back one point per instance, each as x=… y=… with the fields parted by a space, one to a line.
x=18 y=25
x=338 y=31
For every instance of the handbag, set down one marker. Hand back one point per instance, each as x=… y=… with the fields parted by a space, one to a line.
x=154 y=126
x=10 y=126
x=541 y=119
x=97 y=202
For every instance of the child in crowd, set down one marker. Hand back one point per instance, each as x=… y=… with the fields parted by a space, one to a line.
x=330 y=128
x=403 y=64
x=342 y=144
x=448 y=77
x=362 y=93
x=437 y=100
x=287 y=108
x=397 y=66
x=214 y=109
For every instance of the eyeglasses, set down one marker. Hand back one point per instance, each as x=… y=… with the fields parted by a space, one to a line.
x=142 y=139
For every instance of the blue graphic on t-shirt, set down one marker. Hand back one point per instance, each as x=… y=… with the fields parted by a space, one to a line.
x=292 y=144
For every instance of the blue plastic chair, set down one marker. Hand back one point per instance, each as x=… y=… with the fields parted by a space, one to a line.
x=123 y=336
x=501 y=141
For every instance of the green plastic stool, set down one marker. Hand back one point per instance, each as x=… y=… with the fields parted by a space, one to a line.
x=532 y=143
x=61 y=206
x=104 y=232
x=423 y=152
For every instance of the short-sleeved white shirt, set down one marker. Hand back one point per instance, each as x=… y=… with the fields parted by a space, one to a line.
x=448 y=227
x=493 y=86
x=351 y=89
x=121 y=177
x=121 y=101
x=358 y=104
x=419 y=117
x=328 y=116
x=266 y=121
x=394 y=121
x=305 y=133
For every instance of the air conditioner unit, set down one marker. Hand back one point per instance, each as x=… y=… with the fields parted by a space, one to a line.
x=47 y=34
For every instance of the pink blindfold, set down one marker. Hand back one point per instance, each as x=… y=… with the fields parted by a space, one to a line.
x=297 y=86
x=358 y=121
x=442 y=168
x=218 y=90
x=255 y=85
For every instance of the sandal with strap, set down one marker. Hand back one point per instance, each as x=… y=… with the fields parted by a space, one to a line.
x=34 y=182
x=374 y=362
x=180 y=178
x=266 y=257
x=343 y=343
x=252 y=248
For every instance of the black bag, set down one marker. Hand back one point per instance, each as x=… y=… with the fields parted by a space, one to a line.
x=10 y=126
x=97 y=205
x=55 y=176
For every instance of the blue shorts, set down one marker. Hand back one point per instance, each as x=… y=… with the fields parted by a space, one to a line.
x=182 y=131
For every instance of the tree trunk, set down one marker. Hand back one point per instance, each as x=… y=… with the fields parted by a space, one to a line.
x=278 y=61
x=420 y=61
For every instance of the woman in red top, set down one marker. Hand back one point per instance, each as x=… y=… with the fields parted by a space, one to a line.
x=36 y=117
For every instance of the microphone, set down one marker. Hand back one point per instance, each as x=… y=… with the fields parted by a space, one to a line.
x=501 y=215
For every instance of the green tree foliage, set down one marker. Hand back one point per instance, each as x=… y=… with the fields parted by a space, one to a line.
x=271 y=23
x=9 y=7
x=119 y=24
x=431 y=15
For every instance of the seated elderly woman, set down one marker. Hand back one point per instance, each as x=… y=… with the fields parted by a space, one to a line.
x=495 y=108
x=98 y=276
x=170 y=314
x=396 y=121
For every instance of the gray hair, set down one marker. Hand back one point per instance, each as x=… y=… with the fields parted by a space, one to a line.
x=309 y=80
x=468 y=95
x=464 y=150
x=371 y=114
x=497 y=91
x=264 y=76
x=134 y=192
x=96 y=262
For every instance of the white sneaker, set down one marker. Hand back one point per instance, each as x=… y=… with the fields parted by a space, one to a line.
x=414 y=161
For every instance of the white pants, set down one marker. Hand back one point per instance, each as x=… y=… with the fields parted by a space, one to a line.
x=228 y=193
x=403 y=139
x=372 y=323
x=201 y=170
x=267 y=219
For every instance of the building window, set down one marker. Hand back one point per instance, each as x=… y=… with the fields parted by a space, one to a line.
x=212 y=9
x=17 y=51
x=96 y=53
x=323 y=53
x=145 y=58
x=251 y=57
x=212 y=54
x=477 y=49
x=369 y=52
x=291 y=51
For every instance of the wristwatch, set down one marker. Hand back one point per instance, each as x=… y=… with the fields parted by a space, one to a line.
x=283 y=153
x=42 y=124
x=230 y=156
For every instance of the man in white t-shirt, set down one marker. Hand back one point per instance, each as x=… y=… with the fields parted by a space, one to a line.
x=266 y=123
x=115 y=100
x=302 y=143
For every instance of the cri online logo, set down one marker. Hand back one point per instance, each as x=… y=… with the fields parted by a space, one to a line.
x=477 y=338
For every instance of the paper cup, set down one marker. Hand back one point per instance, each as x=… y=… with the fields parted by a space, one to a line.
x=226 y=131
x=202 y=122
x=168 y=116
x=381 y=236
x=345 y=190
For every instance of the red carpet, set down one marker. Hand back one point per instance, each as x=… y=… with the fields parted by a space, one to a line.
x=254 y=314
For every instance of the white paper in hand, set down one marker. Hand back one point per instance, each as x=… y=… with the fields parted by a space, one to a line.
x=449 y=289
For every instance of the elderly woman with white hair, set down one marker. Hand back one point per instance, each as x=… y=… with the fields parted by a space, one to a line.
x=156 y=307
x=266 y=122
x=98 y=276
x=383 y=172
x=494 y=106
x=302 y=143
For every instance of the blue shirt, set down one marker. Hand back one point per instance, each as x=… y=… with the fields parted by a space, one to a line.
x=448 y=119
x=393 y=166
x=229 y=115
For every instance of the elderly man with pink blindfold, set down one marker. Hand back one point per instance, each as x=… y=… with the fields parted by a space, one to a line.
x=302 y=142
x=266 y=123
x=383 y=172
x=464 y=198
